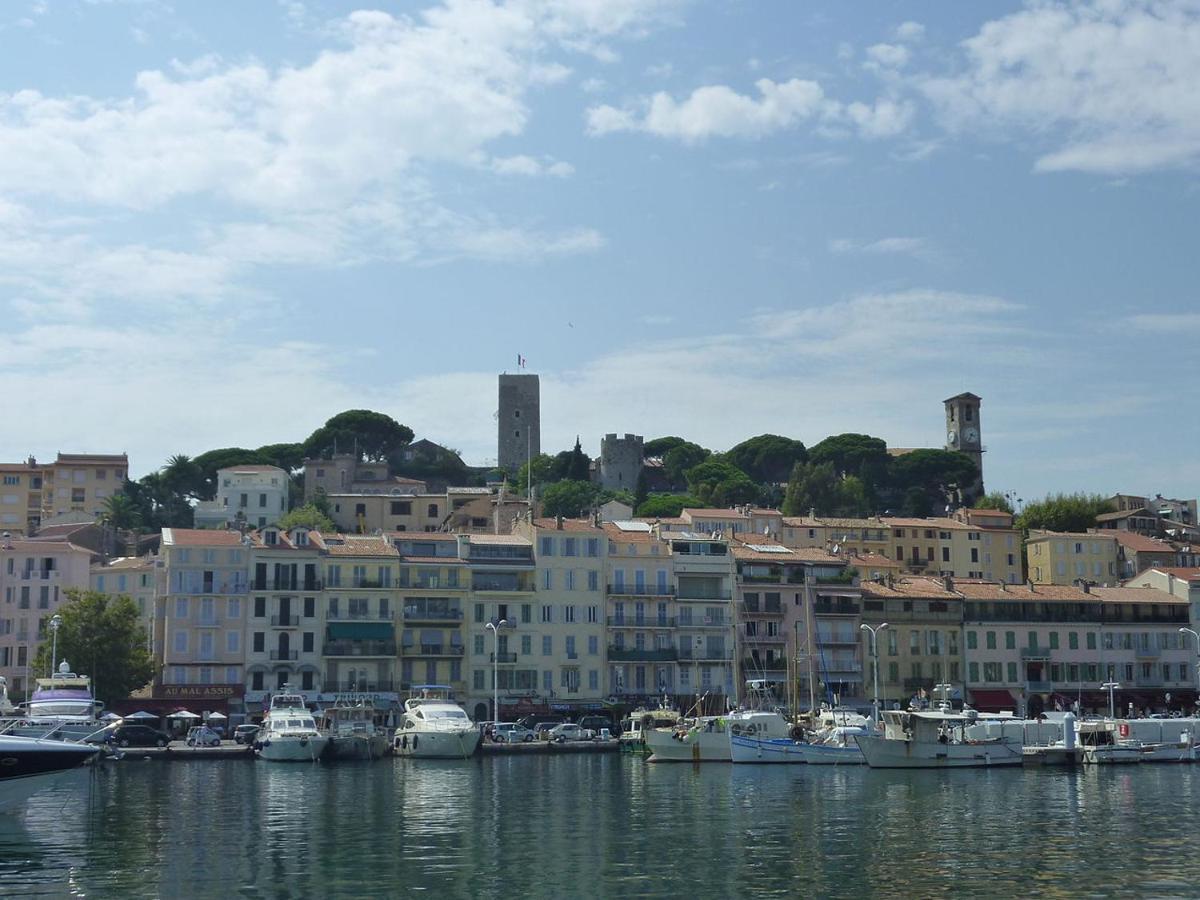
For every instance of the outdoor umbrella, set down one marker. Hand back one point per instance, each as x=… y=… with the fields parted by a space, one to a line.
x=183 y=714
x=217 y=717
x=109 y=717
x=142 y=715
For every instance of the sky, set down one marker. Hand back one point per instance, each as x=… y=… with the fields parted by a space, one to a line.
x=223 y=222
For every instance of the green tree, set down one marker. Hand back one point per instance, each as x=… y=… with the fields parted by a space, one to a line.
x=682 y=457
x=121 y=513
x=768 y=458
x=718 y=483
x=851 y=454
x=812 y=486
x=372 y=435
x=578 y=464
x=994 y=500
x=212 y=461
x=568 y=498
x=641 y=491
x=102 y=637
x=289 y=457
x=1064 y=512
x=665 y=506
x=183 y=476
x=939 y=473
x=659 y=447
x=545 y=470
x=308 y=516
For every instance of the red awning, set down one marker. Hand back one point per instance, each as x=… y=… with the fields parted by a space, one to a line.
x=992 y=701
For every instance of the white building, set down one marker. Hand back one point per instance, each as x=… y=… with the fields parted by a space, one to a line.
x=258 y=494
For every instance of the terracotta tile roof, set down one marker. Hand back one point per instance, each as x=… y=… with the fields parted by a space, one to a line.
x=438 y=560
x=29 y=546
x=127 y=562
x=1183 y=574
x=618 y=536
x=992 y=590
x=1139 y=543
x=92 y=459
x=931 y=588
x=988 y=512
x=876 y=559
x=199 y=537
x=509 y=539
x=1125 y=514
x=547 y=524
x=936 y=522
x=793 y=555
x=802 y=522
x=687 y=513
x=252 y=468
x=1070 y=535
x=1136 y=595
x=421 y=536
x=362 y=545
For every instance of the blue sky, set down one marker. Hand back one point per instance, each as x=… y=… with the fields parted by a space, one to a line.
x=221 y=223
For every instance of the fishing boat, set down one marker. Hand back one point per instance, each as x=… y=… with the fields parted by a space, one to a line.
x=29 y=764
x=707 y=738
x=289 y=732
x=634 y=727
x=434 y=726
x=936 y=739
x=353 y=734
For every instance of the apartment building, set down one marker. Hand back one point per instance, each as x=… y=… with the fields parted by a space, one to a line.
x=370 y=513
x=136 y=577
x=739 y=521
x=640 y=614
x=918 y=624
x=1066 y=558
x=705 y=632
x=1137 y=552
x=770 y=578
x=822 y=624
x=256 y=496
x=1178 y=582
x=204 y=611
x=34 y=579
x=435 y=583
x=33 y=493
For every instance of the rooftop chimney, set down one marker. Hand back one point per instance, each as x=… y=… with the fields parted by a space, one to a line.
x=948 y=582
x=1029 y=584
x=558 y=520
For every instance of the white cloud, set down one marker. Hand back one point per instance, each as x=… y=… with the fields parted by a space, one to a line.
x=1165 y=323
x=912 y=245
x=888 y=56
x=1109 y=85
x=528 y=165
x=910 y=31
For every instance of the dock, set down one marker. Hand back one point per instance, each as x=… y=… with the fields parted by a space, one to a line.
x=179 y=750
x=534 y=747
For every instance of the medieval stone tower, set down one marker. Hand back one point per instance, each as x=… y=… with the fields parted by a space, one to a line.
x=620 y=462
x=519 y=421
x=963 y=435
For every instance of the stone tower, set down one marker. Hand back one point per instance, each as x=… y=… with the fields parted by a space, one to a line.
x=620 y=462
x=962 y=435
x=519 y=421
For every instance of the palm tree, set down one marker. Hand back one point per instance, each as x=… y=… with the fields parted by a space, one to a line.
x=120 y=513
x=182 y=476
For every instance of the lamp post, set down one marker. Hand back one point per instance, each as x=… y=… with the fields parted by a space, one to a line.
x=1197 y=637
x=495 y=628
x=1111 y=686
x=875 y=659
x=55 y=624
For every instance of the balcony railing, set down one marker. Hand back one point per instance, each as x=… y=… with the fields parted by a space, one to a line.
x=285 y=655
x=286 y=584
x=370 y=583
x=641 y=621
x=641 y=590
x=360 y=615
x=1039 y=687
x=843 y=665
x=208 y=622
x=764 y=638
x=631 y=654
x=706 y=655
x=502 y=658
x=774 y=664
x=501 y=585
x=360 y=648
x=835 y=609
x=359 y=687
x=837 y=640
x=705 y=622
x=416 y=614
x=285 y=621
x=1035 y=653
x=1147 y=652
x=433 y=650
x=713 y=597
x=760 y=609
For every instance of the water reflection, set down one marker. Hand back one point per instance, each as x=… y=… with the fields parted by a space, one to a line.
x=596 y=825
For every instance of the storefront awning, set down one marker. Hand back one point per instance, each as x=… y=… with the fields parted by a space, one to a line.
x=360 y=631
x=992 y=701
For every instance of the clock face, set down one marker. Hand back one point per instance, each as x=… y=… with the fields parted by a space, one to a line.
x=951 y=437
x=970 y=434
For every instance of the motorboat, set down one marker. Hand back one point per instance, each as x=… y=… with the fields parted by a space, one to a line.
x=29 y=764
x=6 y=707
x=63 y=696
x=353 y=734
x=830 y=747
x=707 y=738
x=289 y=731
x=1113 y=741
x=434 y=726
x=633 y=728
x=937 y=739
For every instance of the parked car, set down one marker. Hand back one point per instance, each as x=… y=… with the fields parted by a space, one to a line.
x=541 y=731
x=244 y=734
x=534 y=720
x=596 y=723
x=569 y=731
x=203 y=736
x=511 y=733
x=139 y=736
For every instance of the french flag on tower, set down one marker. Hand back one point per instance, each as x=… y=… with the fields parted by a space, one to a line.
x=521 y=361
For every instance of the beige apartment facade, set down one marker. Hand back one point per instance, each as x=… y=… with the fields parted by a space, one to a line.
x=136 y=577
x=1066 y=558
x=74 y=485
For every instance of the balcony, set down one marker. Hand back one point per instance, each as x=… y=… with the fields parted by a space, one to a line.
x=1038 y=687
x=285 y=655
x=434 y=650
x=501 y=585
x=641 y=590
x=764 y=638
x=502 y=658
x=285 y=621
x=293 y=585
x=360 y=648
x=332 y=685
x=837 y=640
x=641 y=622
x=208 y=622
x=1042 y=653
x=714 y=597
x=824 y=608
x=370 y=584
x=629 y=654
x=706 y=622
x=704 y=654
x=416 y=614
x=360 y=615
x=759 y=609
x=1147 y=653
x=775 y=664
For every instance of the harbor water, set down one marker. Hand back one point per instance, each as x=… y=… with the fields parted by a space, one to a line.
x=603 y=825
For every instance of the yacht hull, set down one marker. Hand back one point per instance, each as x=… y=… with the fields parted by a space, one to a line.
x=693 y=746
x=27 y=766
x=288 y=749
x=358 y=746
x=881 y=753
x=751 y=750
x=420 y=744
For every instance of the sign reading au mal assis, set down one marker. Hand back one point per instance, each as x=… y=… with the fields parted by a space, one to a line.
x=200 y=691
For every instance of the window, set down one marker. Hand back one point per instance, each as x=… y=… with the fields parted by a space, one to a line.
x=479 y=645
x=893 y=672
x=945 y=554
x=1012 y=672
x=547 y=645
x=181 y=641
x=259 y=641
x=569 y=614
x=547 y=545
x=914 y=643
x=593 y=547
x=307 y=642
x=233 y=608
x=892 y=648
x=479 y=612
x=1091 y=640
x=991 y=640
x=1054 y=640
x=547 y=613
x=181 y=607
x=547 y=583
x=972 y=641
x=593 y=679
x=593 y=580
x=570 y=547
x=1010 y=640
x=233 y=641
x=526 y=644
x=432 y=511
x=260 y=607
x=593 y=645
x=1073 y=643
x=477 y=679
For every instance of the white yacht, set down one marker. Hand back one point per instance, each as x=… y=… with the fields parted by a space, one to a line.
x=62 y=708
x=29 y=764
x=936 y=739
x=434 y=726
x=1109 y=741
x=707 y=738
x=289 y=732
x=353 y=734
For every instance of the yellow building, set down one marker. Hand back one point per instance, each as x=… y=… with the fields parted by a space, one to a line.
x=135 y=577
x=1059 y=557
x=641 y=614
x=32 y=493
x=435 y=584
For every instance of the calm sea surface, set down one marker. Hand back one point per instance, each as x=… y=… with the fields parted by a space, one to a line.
x=583 y=825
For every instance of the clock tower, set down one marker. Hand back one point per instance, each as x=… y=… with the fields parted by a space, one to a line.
x=962 y=436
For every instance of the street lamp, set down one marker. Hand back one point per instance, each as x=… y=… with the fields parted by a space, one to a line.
x=55 y=624
x=875 y=659
x=1111 y=686
x=1197 y=637
x=495 y=627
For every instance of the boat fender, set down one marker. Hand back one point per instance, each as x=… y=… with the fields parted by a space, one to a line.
x=303 y=741
x=1124 y=728
x=735 y=730
x=797 y=733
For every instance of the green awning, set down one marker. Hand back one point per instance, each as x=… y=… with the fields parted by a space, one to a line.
x=360 y=631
